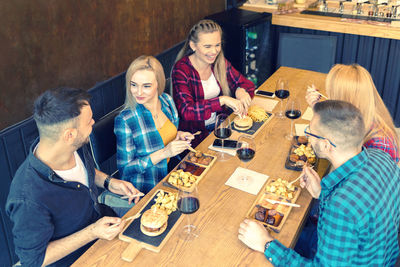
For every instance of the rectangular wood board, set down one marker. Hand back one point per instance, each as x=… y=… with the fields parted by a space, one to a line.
x=282 y=209
x=187 y=161
x=132 y=232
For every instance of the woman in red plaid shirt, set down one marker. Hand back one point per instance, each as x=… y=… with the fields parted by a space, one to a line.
x=205 y=83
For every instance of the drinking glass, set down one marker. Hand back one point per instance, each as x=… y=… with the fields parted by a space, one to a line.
x=245 y=150
x=292 y=112
x=222 y=130
x=188 y=203
x=281 y=92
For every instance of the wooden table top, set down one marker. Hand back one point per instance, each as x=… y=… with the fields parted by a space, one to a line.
x=223 y=208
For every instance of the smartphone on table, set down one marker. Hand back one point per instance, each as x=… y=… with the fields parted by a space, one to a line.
x=230 y=144
x=265 y=93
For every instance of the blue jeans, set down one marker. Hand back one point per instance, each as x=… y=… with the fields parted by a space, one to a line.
x=114 y=201
x=307 y=244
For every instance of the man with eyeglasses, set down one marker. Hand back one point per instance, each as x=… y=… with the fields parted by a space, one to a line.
x=359 y=199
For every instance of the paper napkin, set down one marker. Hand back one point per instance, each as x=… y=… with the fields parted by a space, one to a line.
x=308 y=114
x=300 y=129
x=229 y=151
x=255 y=180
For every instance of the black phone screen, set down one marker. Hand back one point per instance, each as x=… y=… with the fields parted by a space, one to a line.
x=265 y=93
x=227 y=143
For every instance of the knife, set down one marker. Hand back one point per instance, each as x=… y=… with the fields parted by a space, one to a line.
x=283 y=203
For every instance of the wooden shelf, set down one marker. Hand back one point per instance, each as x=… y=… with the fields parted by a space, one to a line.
x=331 y=24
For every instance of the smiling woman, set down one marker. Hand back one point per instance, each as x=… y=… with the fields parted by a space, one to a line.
x=146 y=129
x=204 y=81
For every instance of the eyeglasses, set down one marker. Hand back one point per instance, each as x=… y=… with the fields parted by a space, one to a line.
x=307 y=133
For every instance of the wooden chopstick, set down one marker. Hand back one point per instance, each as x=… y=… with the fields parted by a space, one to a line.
x=292 y=182
x=191 y=149
x=323 y=95
x=137 y=195
x=126 y=220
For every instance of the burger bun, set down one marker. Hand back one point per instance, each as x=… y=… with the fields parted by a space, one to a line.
x=153 y=222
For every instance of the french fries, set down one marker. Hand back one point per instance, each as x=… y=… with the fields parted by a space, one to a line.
x=257 y=114
x=181 y=178
x=166 y=201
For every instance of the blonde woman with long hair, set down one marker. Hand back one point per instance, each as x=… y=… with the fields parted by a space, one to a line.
x=204 y=81
x=146 y=129
x=354 y=84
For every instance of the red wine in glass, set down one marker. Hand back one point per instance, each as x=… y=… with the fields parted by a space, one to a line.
x=293 y=114
x=282 y=94
x=188 y=205
x=223 y=133
x=245 y=154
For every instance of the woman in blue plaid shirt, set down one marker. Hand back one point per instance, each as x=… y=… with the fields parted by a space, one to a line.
x=146 y=129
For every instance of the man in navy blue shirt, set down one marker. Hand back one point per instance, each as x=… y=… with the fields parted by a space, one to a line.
x=53 y=196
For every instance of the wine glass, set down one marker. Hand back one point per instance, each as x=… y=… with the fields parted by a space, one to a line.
x=281 y=92
x=292 y=112
x=188 y=203
x=222 y=130
x=245 y=150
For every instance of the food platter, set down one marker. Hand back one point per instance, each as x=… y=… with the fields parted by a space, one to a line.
x=271 y=215
x=191 y=170
x=300 y=153
x=139 y=240
x=256 y=127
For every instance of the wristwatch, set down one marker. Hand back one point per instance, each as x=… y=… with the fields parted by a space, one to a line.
x=107 y=182
x=266 y=246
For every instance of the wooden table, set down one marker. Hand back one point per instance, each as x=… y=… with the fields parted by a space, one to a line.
x=223 y=208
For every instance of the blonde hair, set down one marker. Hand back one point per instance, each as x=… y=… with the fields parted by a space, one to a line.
x=143 y=63
x=207 y=26
x=354 y=84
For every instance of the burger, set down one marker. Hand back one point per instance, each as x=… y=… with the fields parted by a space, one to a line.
x=243 y=124
x=153 y=222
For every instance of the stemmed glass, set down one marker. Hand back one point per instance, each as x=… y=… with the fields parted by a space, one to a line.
x=281 y=92
x=188 y=203
x=245 y=150
x=222 y=130
x=292 y=112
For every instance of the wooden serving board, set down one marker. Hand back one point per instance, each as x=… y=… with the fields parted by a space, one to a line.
x=283 y=209
x=195 y=164
x=292 y=165
x=138 y=240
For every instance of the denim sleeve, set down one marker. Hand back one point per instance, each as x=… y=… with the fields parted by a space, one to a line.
x=32 y=230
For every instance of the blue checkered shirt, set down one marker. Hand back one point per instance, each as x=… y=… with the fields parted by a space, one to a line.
x=359 y=216
x=137 y=138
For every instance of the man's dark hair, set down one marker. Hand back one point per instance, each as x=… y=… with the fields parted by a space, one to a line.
x=341 y=122
x=57 y=106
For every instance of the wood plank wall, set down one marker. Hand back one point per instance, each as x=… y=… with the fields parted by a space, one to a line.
x=50 y=43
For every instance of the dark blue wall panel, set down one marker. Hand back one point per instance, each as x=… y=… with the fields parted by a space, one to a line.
x=380 y=56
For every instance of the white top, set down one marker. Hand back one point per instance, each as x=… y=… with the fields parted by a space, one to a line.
x=77 y=173
x=211 y=90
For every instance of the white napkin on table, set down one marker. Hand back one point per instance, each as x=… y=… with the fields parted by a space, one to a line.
x=300 y=129
x=308 y=114
x=255 y=180
x=229 y=151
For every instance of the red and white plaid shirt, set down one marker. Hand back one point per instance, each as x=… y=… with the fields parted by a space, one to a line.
x=188 y=95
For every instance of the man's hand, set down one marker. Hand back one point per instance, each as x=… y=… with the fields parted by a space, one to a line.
x=311 y=181
x=254 y=235
x=121 y=187
x=107 y=228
